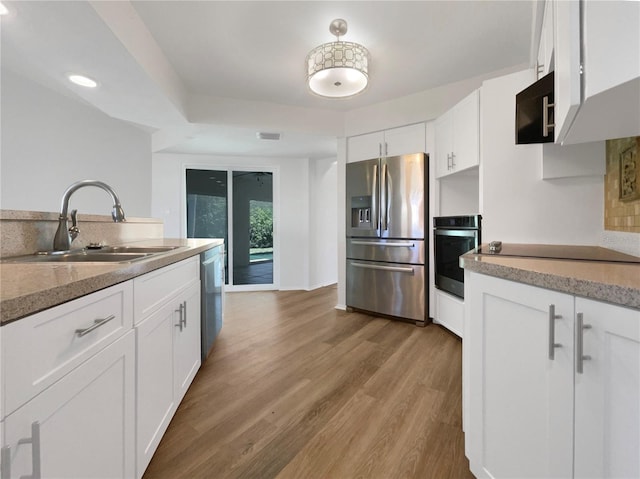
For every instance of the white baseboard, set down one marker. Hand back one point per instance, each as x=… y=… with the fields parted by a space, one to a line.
x=342 y=307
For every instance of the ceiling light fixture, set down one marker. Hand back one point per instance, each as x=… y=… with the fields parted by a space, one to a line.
x=82 y=81
x=338 y=69
x=3 y=10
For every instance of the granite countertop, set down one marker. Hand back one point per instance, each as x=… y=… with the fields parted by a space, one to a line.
x=613 y=282
x=26 y=288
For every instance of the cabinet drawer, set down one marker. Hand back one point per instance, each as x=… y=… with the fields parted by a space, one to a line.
x=151 y=290
x=45 y=346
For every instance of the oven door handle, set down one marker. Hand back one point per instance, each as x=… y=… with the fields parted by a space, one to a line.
x=460 y=233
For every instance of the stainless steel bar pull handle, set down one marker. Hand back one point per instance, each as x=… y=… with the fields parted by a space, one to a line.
x=545 y=116
x=5 y=466
x=34 y=440
x=181 y=320
x=453 y=158
x=395 y=269
x=374 y=198
x=96 y=324
x=448 y=161
x=384 y=178
x=184 y=311
x=552 y=331
x=580 y=356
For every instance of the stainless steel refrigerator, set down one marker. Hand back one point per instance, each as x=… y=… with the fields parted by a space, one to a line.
x=386 y=250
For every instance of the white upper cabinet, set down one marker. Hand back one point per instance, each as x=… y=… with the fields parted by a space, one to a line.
x=458 y=137
x=597 y=70
x=545 y=50
x=381 y=144
x=365 y=147
x=567 y=66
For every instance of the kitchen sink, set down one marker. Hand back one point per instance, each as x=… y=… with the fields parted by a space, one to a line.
x=131 y=249
x=105 y=254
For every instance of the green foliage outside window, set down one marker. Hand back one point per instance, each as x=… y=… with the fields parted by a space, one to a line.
x=261 y=224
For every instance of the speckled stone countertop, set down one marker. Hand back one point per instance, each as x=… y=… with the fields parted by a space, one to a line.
x=616 y=283
x=26 y=288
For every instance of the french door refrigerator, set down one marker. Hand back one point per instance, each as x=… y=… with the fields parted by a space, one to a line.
x=386 y=253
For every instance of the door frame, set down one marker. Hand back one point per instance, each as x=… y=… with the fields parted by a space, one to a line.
x=229 y=168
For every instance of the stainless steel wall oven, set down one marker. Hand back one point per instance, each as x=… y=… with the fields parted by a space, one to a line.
x=453 y=236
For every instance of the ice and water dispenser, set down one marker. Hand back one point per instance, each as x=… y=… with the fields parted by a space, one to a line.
x=361 y=212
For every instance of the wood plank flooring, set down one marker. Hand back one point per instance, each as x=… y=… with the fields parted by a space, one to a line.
x=296 y=389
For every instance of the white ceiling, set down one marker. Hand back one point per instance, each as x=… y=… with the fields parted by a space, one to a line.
x=206 y=75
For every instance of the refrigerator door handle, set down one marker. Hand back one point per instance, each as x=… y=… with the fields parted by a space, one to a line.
x=374 y=198
x=383 y=243
x=384 y=198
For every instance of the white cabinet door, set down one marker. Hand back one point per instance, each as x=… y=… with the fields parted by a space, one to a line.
x=155 y=379
x=168 y=359
x=545 y=49
x=405 y=140
x=466 y=133
x=521 y=401
x=187 y=346
x=611 y=45
x=365 y=147
x=567 y=87
x=449 y=312
x=444 y=144
x=81 y=426
x=607 y=393
x=458 y=137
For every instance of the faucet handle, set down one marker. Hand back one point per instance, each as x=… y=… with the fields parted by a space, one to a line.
x=74 y=230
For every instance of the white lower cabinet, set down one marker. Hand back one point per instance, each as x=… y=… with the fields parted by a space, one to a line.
x=520 y=368
x=80 y=427
x=89 y=387
x=449 y=312
x=607 y=392
x=168 y=346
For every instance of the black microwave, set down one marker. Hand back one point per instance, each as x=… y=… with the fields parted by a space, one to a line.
x=534 y=112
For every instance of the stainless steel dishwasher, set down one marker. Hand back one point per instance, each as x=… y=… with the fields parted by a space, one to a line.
x=212 y=296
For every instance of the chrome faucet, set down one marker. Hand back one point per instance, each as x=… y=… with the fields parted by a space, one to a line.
x=65 y=234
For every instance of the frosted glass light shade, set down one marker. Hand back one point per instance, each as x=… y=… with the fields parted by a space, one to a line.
x=338 y=69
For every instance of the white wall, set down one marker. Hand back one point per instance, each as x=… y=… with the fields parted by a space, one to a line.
x=416 y=108
x=323 y=212
x=299 y=216
x=459 y=194
x=50 y=141
x=516 y=204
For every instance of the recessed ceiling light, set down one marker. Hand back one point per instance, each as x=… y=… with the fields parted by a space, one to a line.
x=3 y=10
x=83 y=81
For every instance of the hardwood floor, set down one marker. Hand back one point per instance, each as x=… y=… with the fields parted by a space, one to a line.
x=296 y=389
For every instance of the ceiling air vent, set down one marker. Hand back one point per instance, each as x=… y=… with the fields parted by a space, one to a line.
x=267 y=136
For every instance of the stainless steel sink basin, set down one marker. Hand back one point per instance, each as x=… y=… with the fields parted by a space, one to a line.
x=132 y=249
x=107 y=254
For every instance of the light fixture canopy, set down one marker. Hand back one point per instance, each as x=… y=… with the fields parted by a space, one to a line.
x=338 y=69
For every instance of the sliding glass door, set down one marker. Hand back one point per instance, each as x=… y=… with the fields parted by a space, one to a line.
x=239 y=207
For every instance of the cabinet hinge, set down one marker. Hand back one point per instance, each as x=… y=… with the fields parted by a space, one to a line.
x=581 y=69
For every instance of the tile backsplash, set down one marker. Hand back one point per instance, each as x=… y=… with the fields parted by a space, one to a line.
x=622 y=185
